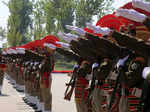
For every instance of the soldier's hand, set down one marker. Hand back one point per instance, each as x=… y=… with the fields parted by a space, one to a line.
x=68 y=84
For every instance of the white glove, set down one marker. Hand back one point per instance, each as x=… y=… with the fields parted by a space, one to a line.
x=35 y=63
x=95 y=65
x=98 y=29
x=141 y=5
x=122 y=61
x=145 y=72
x=79 y=31
x=131 y=14
x=40 y=66
x=76 y=66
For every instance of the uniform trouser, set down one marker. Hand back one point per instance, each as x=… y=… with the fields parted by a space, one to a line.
x=97 y=97
x=81 y=105
x=14 y=76
x=47 y=96
x=1 y=78
x=19 y=77
x=26 y=86
x=40 y=95
x=123 y=104
x=33 y=93
x=30 y=88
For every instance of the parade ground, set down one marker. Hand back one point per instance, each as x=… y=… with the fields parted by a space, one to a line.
x=11 y=100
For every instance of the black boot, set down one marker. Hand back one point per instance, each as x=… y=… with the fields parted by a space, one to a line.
x=38 y=111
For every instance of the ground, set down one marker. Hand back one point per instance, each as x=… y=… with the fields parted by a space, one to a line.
x=11 y=101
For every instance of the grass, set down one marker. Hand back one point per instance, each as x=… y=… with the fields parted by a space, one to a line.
x=63 y=66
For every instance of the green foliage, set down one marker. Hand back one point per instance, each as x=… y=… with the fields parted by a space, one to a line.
x=2 y=33
x=64 y=11
x=57 y=13
x=5 y=45
x=38 y=21
x=52 y=16
x=49 y=17
x=18 y=21
x=33 y=20
x=49 y=14
x=86 y=9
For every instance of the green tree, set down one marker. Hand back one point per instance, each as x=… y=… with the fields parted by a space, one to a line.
x=2 y=33
x=58 y=13
x=38 y=20
x=65 y=13
x=86 y=9
x=49 y=15
x=19 y=21
x=5 y=45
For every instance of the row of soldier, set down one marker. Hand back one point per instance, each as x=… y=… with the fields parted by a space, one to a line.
x=111 y=74
x=115 y=53
x=30 y=72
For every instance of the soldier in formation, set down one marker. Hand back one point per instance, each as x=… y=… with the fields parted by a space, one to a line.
x=112 y=72
x=127 y=80
x=29 y=69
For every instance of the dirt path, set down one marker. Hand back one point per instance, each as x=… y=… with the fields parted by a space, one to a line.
x=11 y=101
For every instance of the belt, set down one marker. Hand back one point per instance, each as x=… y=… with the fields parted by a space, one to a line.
x=99 y=86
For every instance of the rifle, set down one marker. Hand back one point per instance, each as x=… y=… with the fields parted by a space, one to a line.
x=120 y=76
x=92 y=85
x=121 y=71
x=68 y=94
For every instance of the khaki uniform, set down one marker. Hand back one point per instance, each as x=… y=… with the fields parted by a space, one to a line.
x=100 y=73
x=97 y=97
x=81 y=84
x=81 y=95
x=46 y=92
x=1 y=79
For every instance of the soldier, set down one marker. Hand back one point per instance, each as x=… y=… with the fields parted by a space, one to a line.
x=81 y=84
x=31 y=81
x=46 y=79
x=100 y=72
x=139 y=60
x=80 y=73
x=2 y=72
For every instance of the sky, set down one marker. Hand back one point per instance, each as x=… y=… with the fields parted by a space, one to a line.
x=4 y=11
